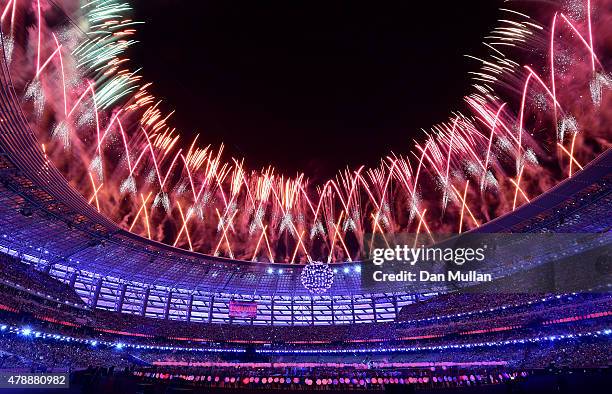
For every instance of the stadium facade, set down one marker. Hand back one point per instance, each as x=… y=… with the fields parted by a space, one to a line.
x=46 y=223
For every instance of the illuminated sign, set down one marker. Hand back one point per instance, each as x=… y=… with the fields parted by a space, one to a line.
x=243 y=309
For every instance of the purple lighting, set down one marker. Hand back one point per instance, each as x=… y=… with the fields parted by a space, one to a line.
x=317 y=277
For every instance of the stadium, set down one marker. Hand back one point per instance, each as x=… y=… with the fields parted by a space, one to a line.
x=98 y=295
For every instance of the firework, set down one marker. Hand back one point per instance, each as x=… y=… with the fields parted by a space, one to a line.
x=523 y=129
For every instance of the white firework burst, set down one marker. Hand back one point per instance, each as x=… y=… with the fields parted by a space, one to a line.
x=128 y=185
x=563 y=60
x=530 y=157
x=575 y=9
x=356 y=214
x=226 y=219
x=317 y=228
x=541 y=101
x=349 y=224
x=415 y=201
x=36 y=94
x=504 y=143
x=444 y=185
x=206 y=198
x=87 y=118
x=567 y=125
x=257 y=222
x=9 y=45
x=69 y=35
x=180 y=189
x=96 y=166
x=61 y=133
x=286 y=222
x=384 y=220
x=489 y=181
x=221 y=224
x=597 y=84
x=471 y=168
x=197 y=209
x=162 y=200
x=301 y=219
x=151 y=176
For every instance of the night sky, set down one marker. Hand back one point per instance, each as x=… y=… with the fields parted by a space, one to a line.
x=310 y=86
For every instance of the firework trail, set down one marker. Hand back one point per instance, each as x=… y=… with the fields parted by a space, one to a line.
x=539 y=112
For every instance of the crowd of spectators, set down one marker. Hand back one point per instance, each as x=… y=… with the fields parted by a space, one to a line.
x=452 y=319
x=18 y=350
x=42 y=308
x=436 y=317
x=448 y=366
x=573 y=353
x=26 y=277
x=453 y=304
x=30 y=354
x=514 y=316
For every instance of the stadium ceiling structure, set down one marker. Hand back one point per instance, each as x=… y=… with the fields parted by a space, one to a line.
x=50 y=225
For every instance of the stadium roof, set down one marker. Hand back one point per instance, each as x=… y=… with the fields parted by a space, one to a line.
x=41 y=214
